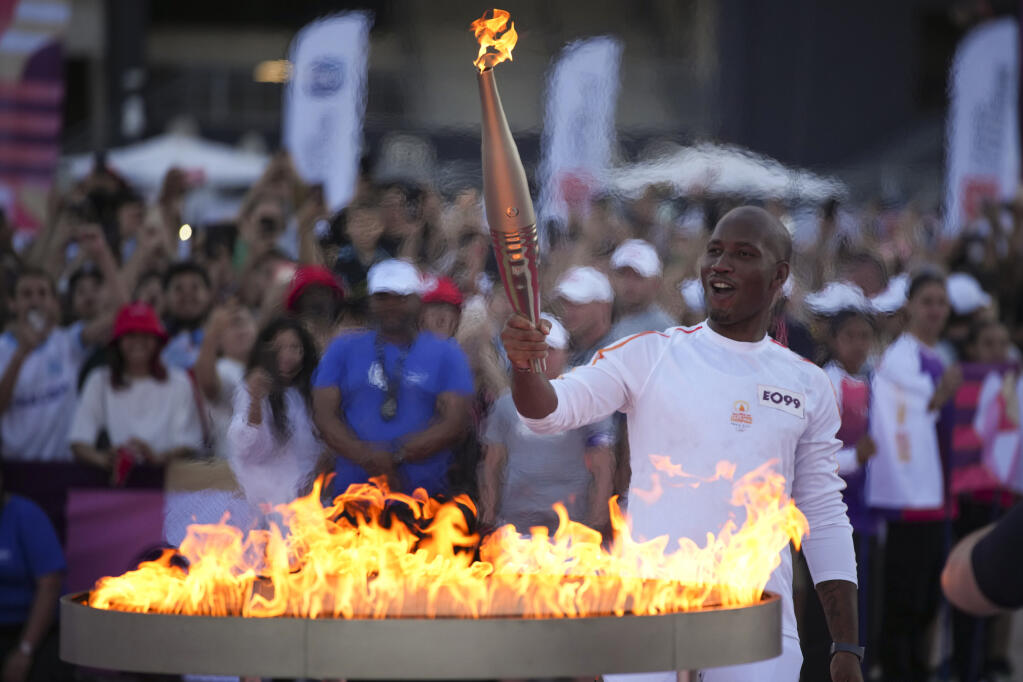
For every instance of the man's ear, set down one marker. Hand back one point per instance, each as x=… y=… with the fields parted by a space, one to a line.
x=782 y=273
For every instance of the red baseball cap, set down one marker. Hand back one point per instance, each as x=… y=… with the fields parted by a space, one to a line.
x=311 y=275
x=138 y=318
x=443 y=290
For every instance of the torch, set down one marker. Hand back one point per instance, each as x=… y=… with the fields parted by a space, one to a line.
x=505 y=190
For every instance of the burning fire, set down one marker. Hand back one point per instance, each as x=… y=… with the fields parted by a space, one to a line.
x=486 y=31
x=375 y=554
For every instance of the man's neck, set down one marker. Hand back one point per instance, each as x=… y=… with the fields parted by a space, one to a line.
x=747 y=331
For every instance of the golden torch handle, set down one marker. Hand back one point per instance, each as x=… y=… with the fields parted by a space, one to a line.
x=509 y=208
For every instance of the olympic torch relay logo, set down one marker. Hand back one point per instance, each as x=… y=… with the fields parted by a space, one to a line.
x=742 y=418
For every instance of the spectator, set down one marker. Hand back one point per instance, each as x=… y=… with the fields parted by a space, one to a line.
x=149 y=290
x=272 y=445
x=976 y=651
x=220 y=368
x=524 y=473
x=130 y=217
x=31 y=573
x=392 y=401
x=851 y=337
x=120 y=399
x=969 y=304
x=10 y=264
x=84 y=294
x=363 y=227
x=261 y=224
x=636 y=278
x=315 y=298
x=186 y=290
x=442 y=308
x=39 y=361
x=906 y=478
x=267 y=274
x=585 y=298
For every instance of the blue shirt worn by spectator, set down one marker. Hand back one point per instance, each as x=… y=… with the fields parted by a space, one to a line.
x=183 y=349
x=29 y=549
x=432 y=366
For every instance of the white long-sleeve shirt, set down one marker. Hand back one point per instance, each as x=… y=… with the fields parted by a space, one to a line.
x=697 y=397
x=269 y=471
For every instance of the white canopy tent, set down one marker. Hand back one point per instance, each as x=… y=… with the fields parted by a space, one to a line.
x=145 y=163
x=723 y=170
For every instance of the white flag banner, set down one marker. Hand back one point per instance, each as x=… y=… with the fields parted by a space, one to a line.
x=579 y=126
x=325 y=102
x=982 y=134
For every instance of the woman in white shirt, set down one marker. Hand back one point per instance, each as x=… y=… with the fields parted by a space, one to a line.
x=148 y=411
x=906 y=480
x=272 y=446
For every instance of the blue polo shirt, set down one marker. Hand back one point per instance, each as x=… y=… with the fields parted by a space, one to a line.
x=432 y=366
x=29 y=549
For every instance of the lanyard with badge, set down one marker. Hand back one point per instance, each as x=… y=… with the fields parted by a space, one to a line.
x=389 y=408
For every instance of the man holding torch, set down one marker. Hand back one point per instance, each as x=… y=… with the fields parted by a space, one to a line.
x=719 y=390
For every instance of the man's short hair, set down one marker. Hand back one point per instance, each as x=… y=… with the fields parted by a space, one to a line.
x=32 y=271
x=187 y=267
x=84 y=272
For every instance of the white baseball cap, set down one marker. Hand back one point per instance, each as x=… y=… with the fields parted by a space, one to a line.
x=836 y=297
x=638 y=255
x=557 y=337
x=394 y=276
x=584 y=285
x=965 y=294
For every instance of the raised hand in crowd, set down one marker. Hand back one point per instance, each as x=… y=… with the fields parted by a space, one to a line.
x=94 y=245
x=312 y=210
x=205 y=368
x=259 y=384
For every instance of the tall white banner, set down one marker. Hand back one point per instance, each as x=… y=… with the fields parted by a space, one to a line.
x=579 y=127
x=325 y=102
x=983 y=134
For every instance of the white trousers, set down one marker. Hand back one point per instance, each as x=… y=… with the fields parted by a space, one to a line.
x=783 y=668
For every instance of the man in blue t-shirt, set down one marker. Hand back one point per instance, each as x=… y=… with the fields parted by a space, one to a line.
x=393 y=401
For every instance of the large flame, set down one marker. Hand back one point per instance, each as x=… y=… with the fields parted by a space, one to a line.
x=374 y=554
x=486 y=31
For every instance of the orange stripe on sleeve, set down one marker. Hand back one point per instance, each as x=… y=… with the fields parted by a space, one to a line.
x=600 y=353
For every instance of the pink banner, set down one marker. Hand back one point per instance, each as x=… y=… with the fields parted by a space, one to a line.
x=107 y=531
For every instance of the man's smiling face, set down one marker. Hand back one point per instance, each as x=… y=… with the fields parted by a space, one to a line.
x=742 y=268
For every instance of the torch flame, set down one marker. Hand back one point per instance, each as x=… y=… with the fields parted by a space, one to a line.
x=486 y=31
x=375 y=554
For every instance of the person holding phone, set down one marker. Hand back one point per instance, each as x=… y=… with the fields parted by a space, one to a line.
x=273 y=448
x=40 y=361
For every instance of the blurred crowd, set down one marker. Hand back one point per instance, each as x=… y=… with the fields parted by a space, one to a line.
x=292 y=341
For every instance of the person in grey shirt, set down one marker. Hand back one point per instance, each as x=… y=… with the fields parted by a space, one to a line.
x=524 y=473
x=584 y=300
x=636 y=279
